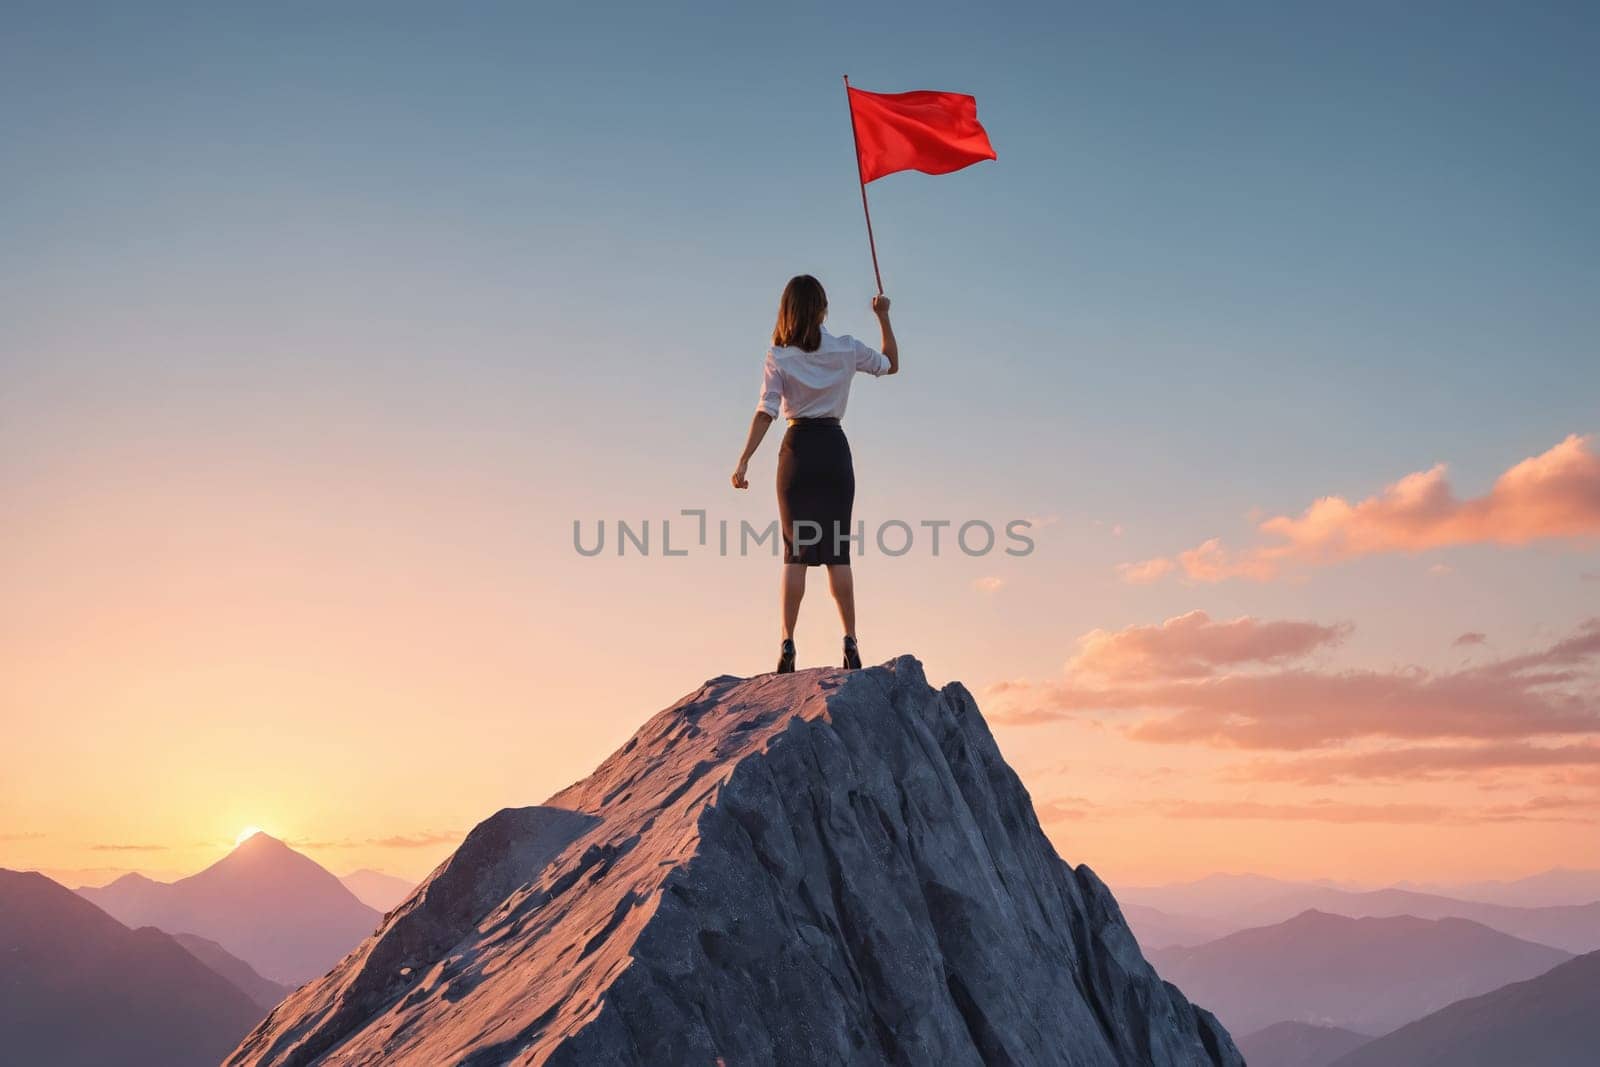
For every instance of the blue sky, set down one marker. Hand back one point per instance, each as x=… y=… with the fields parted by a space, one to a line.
x=448 y=278
x=1240 y=255
x=1233 y=217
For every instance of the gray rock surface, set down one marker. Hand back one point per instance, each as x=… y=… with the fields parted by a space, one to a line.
x=817 y=868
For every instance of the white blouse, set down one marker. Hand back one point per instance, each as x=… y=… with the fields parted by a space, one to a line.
x=816 y=385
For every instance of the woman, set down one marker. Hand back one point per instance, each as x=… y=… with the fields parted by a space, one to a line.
x=808 y=372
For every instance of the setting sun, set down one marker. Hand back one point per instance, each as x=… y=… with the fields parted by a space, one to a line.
x=246 y=834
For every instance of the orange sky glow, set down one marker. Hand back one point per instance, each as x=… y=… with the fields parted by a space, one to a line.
x=367 y=681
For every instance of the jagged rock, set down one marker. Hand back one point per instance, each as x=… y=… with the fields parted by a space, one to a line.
x=817 y=868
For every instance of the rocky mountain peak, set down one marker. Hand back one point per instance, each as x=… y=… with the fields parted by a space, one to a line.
x=823 y=867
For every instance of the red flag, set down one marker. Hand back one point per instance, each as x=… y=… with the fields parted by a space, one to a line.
x=935 y=133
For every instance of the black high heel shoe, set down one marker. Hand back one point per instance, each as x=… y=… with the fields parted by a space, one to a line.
x=786 y=657
x=852 y=654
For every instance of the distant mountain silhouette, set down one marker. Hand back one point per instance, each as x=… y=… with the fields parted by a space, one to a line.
x=1572 y=927
x=1549 y=1021
x=1247 y=901
x=1368 y=975
x=264 y=902
x=263 y=991
x=1548 y=888
x=71 y=876
x=1299 y=1045
x=1155 y=928
x=1231 y=897
x=79 y=989
x=378 y=890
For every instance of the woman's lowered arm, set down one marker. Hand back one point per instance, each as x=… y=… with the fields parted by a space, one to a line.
x=758 y=430
x=880 y=308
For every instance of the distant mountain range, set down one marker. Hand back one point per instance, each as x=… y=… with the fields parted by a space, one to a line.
x=1230 y=897
x=265 y=903
x=1155 y=928
x=378 y=890
x=263 y=991
x=80 y=989
x=1293 y=1044
x=1574 y=928
x=1369 y=975
x=1240 y=902
x=1559 y=886
x=1549 y=1021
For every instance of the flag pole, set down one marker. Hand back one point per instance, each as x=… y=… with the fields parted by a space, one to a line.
x=856 y=140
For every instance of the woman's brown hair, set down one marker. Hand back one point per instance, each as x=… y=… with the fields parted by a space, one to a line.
x=800 y=312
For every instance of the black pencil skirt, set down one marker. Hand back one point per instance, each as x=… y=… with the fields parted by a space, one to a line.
x=816 y=492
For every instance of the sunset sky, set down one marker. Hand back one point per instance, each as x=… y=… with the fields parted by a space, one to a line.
x=321 y=326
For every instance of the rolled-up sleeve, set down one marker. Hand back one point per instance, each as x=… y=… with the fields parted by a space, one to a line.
x=771 y=387
x=868 y=359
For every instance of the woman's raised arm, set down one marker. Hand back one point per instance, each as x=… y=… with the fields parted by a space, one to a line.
x=880 y=308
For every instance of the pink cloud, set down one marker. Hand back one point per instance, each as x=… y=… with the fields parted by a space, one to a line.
x=422 y=840
x=1321 y=810
x=1210 y=561
x=1192 y=645
x=426 y=839
x=1557 y=808
x=1143 y=573
x=1545 y=693
x=1552 y=495
x=128 y=848
x=1063 y=809
x=1414 y=762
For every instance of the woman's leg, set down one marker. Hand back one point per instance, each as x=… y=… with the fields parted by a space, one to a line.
x=794 y=587
x=843 y=585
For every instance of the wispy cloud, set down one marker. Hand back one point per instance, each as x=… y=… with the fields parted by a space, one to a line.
x=127 y=848
x=1320 y=810
x=1416 y=762
x=425 y=840
x=1472 y=637
x=1557 y=809
x=1193 y=646
x=417 y=840
x=1146 y=571
x=1539 y=808
x=1545 y=693
x=989 y=584
x=1555 y=494
x=1063 y=809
